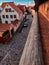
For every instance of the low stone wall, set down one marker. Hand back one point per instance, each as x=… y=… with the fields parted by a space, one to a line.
x=32 y=53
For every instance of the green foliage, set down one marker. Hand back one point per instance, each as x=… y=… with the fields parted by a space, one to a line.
x=5 y=32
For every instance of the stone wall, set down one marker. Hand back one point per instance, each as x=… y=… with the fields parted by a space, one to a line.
x=32 y=53
x=44 y=31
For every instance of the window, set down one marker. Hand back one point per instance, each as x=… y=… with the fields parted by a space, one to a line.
x=7 y=5
x=6 y=22
x=6 y=10
x=9 y=9
x=12 y=10
x=3 y=16
x=14 y=16
x=11 y=16
x=7 y=16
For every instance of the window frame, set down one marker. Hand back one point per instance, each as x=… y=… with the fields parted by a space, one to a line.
x=11 y=16
x=15 y=16
x=6 y=10
x=7 y=16
x=3 y=16
x=9 y=9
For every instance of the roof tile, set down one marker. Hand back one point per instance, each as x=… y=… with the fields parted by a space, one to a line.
x=15 y=22
x=4 y=27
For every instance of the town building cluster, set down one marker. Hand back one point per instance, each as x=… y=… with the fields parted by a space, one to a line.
x=11 y=16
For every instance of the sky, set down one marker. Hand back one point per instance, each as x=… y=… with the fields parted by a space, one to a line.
x=18 y=1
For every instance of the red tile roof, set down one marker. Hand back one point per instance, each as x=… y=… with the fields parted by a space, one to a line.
x=12 y=5
x=4 y=27
x=15 y=22
x=21 y=7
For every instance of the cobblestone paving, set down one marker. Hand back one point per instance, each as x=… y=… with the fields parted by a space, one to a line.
x=10 y=53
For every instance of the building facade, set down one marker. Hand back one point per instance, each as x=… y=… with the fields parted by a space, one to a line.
x=10 y=13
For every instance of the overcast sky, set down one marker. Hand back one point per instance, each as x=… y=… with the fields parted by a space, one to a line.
x=18 y=1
